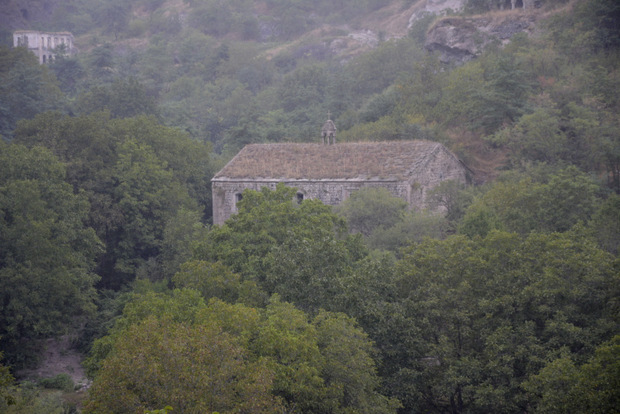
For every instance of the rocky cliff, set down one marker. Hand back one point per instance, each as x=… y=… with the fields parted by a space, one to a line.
x=459 y=39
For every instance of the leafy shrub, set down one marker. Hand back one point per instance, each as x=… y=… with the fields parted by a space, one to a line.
x=59 y=382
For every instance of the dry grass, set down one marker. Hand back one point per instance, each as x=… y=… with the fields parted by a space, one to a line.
x=370 y=160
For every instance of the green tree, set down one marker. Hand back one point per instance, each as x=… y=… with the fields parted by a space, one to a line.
x=605 y=225
x=539 y=136
x=297 y=250
x=26 y=88
x=491 y=312
x=459 y=85
x=321 y=366
x=7 y=391
x=112 y=15
x=191 y=368
x=265 y=360
x=504 y=97
x=148 y=197
x=265 y=220
x=451 y=197
x=370 y=209
x=349 y=370
x=69 y=72
x=521 y=204
x=375 y=71
x=101 y=63
x=215 y=280
x=590 y=388
x=123 y=99
x=213 y=17
x=144 y=182
x=413 y=227
x=47 y=252
x=307 y=271
x=568 y=198
x=485 y=94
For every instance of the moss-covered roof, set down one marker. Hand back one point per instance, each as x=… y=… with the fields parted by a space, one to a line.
x=394 y=160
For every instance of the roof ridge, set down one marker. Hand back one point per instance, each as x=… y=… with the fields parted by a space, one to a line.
x=376 y=160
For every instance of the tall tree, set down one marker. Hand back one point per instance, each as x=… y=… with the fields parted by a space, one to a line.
x=139 y=177
x=46 y=252
x=491 y=312
x=235 y=358
x=297 y=250
x=26 y=88
x=197 y=368
x=123 y=99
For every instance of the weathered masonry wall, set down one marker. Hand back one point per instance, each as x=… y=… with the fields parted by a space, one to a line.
x=441 y=166
x=408 y=170
x=42 y=44
x=333 y=192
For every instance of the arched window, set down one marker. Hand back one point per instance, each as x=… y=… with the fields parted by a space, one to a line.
x=300 y=198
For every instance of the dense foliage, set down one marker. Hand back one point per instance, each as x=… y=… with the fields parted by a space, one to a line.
x=255 y=360
x=460 y=325
x=47 y=252
x=508 y=302
x=147 y=185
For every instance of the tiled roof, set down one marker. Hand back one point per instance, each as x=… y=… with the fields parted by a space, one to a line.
x=392 y=160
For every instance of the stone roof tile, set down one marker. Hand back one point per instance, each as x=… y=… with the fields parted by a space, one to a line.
x=387 y=161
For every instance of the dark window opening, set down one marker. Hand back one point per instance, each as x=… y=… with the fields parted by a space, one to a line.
x=238 y=197
x=300 y=198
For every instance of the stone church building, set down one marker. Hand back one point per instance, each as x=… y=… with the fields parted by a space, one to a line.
x=330 y=173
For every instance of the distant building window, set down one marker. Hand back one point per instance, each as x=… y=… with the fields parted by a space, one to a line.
x=43 y=58
x=300 y=198
x=238 y=197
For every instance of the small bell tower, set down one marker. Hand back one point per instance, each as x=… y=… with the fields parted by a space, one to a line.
x=328 y=132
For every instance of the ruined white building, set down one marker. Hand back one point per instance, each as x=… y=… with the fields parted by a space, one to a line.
x=44 y=44
x=330 y=173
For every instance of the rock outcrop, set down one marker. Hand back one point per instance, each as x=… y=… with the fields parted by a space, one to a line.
x=460 y=39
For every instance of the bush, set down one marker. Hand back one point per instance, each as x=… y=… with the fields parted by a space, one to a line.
x=59 y=382
x=136 y=28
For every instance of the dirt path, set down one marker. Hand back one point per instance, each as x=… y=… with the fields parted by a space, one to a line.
x=59 y=357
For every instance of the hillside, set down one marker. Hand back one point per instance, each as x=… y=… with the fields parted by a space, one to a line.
x=169 y=45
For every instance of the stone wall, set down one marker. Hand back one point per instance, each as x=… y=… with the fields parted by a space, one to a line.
x=226 y=193
x=42 y=44
x=419 y=177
